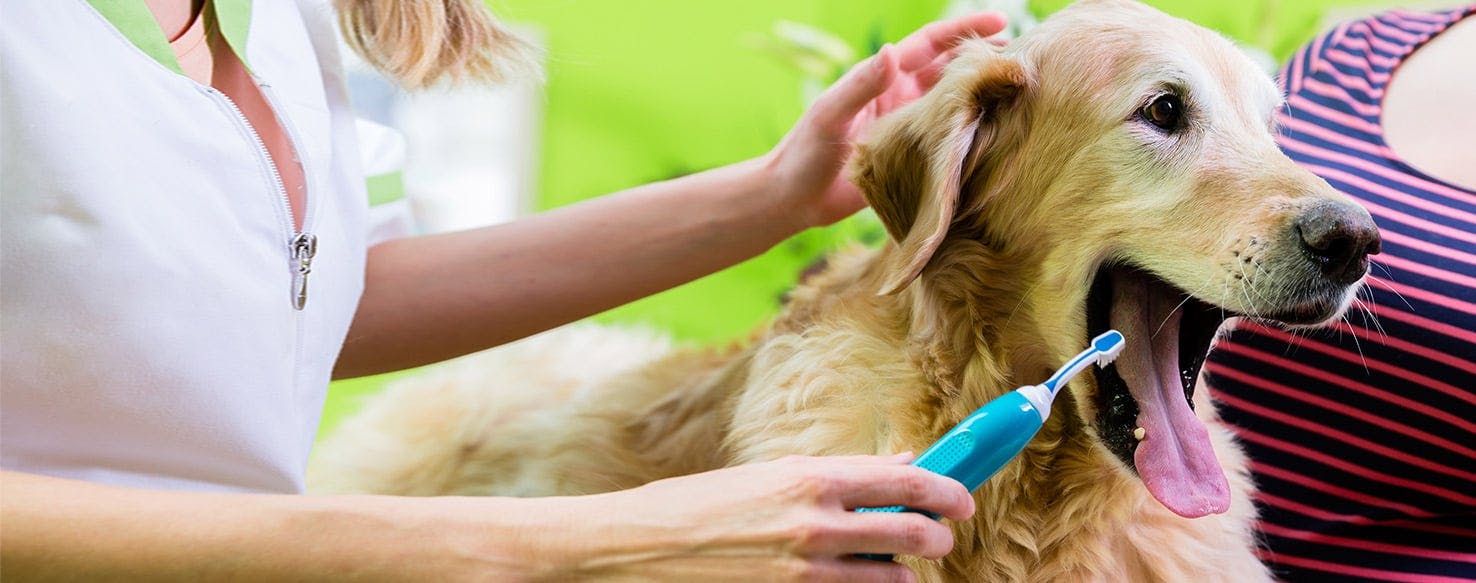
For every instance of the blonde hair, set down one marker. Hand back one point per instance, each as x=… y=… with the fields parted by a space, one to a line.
x=420 y=43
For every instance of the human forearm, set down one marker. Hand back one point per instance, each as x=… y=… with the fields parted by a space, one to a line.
x=427 y=299
x=788 y=519
x=57 y=529
x=431 y=298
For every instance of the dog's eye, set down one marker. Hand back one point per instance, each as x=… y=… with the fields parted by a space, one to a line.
x=1164 y=111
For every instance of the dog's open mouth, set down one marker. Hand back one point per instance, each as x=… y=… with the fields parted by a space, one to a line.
x=1145 y=412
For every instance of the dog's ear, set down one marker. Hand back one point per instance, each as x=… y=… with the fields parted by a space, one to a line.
x=916 y=161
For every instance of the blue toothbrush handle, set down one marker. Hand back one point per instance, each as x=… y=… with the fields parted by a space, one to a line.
x=976 y=448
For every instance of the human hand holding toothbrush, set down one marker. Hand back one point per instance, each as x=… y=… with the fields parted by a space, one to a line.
x=780 y=520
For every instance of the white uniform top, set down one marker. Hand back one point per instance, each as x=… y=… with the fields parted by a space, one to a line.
x=148 y=335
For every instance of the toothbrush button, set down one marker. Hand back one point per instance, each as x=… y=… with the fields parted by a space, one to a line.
x=950 y=453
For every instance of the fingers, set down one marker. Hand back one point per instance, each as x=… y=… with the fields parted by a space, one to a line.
x=928 y=76
x=888 y=485
x=921 y=47
x=891 y=533
x=857 y=571
x=926 y=50
x=828 y=487
x=863 y=83
x=890 y=460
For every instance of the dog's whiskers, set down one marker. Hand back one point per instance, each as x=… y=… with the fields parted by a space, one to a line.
x=1386 y=285
x=1367 y=311
x=1260 y=268
x=1297 y=334
x=1370 y=320
x=1356 y=345
x=1250 y=304
x=1225 y=293
x=1023 y=296
x=1246 y=278
x=1166 y=318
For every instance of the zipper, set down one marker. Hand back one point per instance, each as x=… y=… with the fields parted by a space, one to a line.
x=302 y=246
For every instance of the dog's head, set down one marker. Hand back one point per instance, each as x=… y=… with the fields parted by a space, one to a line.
x=1129 y=157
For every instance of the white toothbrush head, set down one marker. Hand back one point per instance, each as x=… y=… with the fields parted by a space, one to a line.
x=1108 y=345
x=1103 y=350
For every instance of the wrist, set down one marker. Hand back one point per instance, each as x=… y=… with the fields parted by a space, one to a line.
x=783 y=206
x=610 y=535
x=411 y=538
x=375 y=537
x=525 y=539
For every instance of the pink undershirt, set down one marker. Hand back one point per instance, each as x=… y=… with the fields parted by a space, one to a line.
x=205 y=56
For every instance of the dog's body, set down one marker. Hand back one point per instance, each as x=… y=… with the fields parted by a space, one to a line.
x=1003 y=266
x=1063 y=511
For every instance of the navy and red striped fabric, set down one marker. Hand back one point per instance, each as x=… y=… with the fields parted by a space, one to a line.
x=1363 y=436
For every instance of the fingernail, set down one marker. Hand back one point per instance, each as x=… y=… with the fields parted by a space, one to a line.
x=879 y=61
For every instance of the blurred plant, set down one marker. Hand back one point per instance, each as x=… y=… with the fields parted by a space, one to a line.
x=1259 y=49
x=819 y=56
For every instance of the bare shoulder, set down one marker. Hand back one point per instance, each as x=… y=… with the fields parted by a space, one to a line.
x=1427 y=119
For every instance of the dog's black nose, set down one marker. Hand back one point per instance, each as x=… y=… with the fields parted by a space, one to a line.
x=1339 y=238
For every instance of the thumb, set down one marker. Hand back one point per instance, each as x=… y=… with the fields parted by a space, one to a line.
x=863 y=83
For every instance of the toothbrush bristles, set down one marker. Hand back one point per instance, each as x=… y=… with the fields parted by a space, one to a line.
x=1108 y=345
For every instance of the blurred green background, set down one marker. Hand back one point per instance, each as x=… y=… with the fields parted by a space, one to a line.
x=644 y=90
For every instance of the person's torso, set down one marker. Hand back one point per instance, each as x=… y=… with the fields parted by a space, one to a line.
x=1363 y=436
x=149 y=330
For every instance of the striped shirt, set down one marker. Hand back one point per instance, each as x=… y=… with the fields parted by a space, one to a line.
x=1363 y=436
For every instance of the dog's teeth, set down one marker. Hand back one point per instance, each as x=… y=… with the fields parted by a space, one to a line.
x=1139 y=433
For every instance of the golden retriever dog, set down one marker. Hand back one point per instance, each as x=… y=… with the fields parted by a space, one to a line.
x=1115 y=167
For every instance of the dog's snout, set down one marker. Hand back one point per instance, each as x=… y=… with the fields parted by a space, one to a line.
x=1339 y=238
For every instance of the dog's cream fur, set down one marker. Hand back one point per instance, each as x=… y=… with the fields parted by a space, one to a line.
x=1004 y=189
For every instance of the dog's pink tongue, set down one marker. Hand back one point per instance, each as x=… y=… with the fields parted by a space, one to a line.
x=1174 y=458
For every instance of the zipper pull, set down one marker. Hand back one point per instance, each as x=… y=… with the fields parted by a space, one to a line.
x=304 y=247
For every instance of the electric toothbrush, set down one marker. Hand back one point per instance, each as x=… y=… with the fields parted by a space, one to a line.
x=990 y=437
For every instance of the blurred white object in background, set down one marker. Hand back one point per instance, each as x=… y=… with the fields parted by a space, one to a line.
x=472 y=153
x=381 y=148
x=382 y=152
x=467 y=154
x=1018 y=16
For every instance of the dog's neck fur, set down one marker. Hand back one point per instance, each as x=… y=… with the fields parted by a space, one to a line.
x=971 y=325
x=983 y=319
